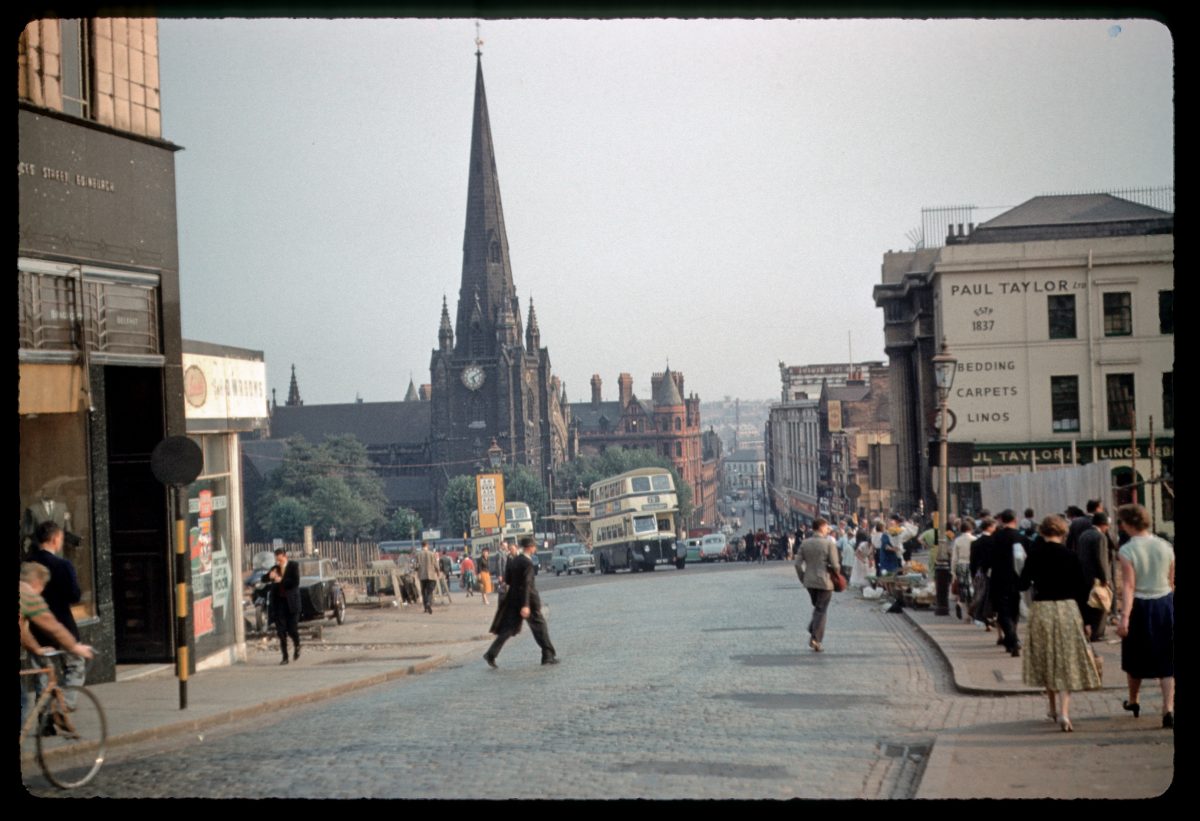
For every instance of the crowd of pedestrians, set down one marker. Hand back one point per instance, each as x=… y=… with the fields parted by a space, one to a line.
x=1070 y=576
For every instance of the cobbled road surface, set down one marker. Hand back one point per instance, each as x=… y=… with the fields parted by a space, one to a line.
x=694 y=684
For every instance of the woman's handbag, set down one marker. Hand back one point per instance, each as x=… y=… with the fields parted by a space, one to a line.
x=954 y=587
x=1101 y=597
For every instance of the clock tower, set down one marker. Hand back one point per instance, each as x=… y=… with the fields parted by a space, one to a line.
x=490 y=379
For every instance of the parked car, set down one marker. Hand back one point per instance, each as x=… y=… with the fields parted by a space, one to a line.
x=714 y=548
x=321 y=594
x=573 y=558
x=693 y=549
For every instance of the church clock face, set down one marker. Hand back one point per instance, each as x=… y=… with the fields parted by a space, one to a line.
x=472 y=377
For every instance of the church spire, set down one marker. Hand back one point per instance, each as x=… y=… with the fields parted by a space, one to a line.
x=485 y=268
x=533 y=336
x=294 y=399
x=445 y=331
x=412 y=395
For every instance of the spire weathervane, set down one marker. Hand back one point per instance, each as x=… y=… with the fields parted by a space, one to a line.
x=478 y=41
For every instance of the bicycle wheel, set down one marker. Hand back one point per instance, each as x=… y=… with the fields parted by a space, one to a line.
x=71 y=742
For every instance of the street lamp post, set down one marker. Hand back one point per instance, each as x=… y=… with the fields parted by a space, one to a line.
x=943 y=373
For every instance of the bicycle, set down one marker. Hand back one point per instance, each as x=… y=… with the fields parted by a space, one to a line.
x=69 y=742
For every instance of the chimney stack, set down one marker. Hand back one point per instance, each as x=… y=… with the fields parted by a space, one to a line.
x=625 y=387
x=596 y=382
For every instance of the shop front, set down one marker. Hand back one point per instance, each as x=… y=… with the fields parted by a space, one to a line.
x=99 y=381
x=225 y=393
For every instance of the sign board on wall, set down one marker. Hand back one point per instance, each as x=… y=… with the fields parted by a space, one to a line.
x=989 y=320
x=217 y=387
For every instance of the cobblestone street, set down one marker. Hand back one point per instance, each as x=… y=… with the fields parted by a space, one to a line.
x=672 y=685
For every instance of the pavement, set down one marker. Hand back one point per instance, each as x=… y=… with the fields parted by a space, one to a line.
x=379 y=644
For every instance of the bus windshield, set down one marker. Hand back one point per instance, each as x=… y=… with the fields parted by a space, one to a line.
x=640 y=484
x=644 y=524
x=662 y=481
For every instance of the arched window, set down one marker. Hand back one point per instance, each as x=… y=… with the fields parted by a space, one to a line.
x=1124 y=485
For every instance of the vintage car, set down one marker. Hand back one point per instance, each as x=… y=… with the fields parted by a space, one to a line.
x=321 y=594
x=714 y=548
x=572 y=558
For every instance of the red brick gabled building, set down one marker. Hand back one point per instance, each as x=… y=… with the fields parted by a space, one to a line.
x=669 y=424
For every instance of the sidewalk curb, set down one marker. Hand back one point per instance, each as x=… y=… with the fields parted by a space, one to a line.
x=967 y=689
x=239 y=713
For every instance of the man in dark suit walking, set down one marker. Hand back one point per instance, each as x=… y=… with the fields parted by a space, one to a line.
x=1002 y=578
x=285 y=602
x=521 y=603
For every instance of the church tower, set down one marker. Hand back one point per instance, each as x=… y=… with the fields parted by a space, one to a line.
x=490 y=378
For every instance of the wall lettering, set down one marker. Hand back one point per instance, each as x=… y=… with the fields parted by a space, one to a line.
x=28 y=169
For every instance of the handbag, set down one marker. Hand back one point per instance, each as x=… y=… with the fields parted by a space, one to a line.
x=839 y=581
x=1101 y=597
x=954 y=587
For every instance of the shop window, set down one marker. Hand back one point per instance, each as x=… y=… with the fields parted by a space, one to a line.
x=1061 y=310
x=1166 y=312
x=54 y=486
x=1168 y=399
x=1120 y=401
x=1118 y=313
x=1064 y=403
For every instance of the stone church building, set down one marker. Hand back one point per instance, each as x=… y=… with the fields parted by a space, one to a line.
x=491 y=378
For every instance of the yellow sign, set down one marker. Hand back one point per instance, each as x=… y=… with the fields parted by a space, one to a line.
x=835 y=414
x=489 y=495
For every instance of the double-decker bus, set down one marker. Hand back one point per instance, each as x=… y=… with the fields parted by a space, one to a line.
x=633 y=520
x=518 y=522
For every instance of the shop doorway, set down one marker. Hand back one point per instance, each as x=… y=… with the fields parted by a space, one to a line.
x=139 y=521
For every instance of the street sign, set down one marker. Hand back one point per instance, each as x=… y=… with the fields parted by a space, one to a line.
x=489 y=495
x=176 y=460
x=431 y=535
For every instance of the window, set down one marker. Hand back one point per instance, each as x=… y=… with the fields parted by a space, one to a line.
x=1118 y=314
x=1166 y=312
x=1120 y=401
x=679 y=449
x=1062 y=316
x=1168 y=385
x=76 y=79
x=1064 y=403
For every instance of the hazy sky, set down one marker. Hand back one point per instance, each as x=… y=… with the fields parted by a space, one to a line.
x=718 y=193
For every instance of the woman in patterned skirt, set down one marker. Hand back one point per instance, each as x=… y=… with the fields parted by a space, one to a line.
x=1147 y=627
x=1057 y=655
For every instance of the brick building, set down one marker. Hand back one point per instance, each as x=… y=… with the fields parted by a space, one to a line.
x=668 y=424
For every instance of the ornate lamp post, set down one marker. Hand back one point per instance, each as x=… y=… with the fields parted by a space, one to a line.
x=943 y=373
x=495 y=455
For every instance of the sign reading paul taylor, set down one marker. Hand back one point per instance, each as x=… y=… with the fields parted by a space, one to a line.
x=998 y=324
x=489 y=493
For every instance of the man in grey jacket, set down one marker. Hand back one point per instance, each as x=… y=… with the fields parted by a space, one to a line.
x=427 y=572
x=818 y=556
